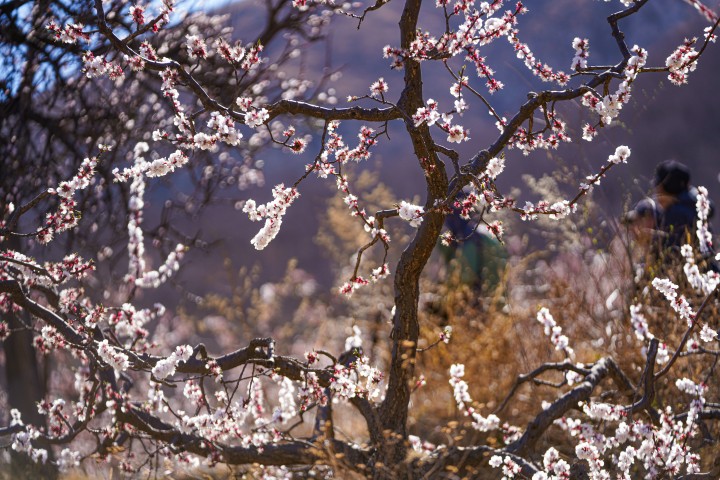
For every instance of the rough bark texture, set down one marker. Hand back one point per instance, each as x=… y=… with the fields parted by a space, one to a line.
x=394 y=410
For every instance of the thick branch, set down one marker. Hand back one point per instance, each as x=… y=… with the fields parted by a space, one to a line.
x=522 y=378
x=290 y=453
x=473 y=459
x=14 y=289
x=405 y=333
x=645 y=402
x=526 y=444
x=294 y=107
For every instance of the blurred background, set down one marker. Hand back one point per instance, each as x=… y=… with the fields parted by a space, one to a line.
x=584 y=269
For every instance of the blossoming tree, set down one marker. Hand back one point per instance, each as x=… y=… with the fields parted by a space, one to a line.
x=125 y=386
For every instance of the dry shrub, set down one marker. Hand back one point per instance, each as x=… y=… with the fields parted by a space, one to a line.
x=587 y=276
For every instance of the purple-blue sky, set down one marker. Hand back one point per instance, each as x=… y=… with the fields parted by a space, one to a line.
x=662 y=120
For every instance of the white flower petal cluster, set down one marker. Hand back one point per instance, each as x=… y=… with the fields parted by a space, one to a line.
x=581 y=46
x=359 y=379
x=704 y=283
x=495 y=167
x=679 y=304
x=639 y=323
x=703 y=232
x=256 y=117
x=355 y=340
x=378 y=88
x=608 y=107
x=286 y=397
x=463 y=401
x=80 y=181
x=620 y=156
x=116 y=359
x=166 y=367
x=411 y=213
x=681 y=62
x=272 y=212
x=429 y=114
x=510 y=469
x=554 y=331
x=155 y=278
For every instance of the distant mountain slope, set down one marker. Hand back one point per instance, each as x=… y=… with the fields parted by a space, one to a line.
x=662 y=120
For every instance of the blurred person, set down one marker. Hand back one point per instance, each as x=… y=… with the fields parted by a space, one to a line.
x=644 y=222
x=677 y=200
x=667 y=220
x=476 y=255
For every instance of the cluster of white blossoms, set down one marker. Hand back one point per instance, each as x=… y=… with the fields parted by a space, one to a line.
x=128 y=322
x=428 y=115
x=22 y=441
x=224 y=128
x=246 y=58
x=411 y=213
x=608 y=107
x=464 y=401
x=679 y=303
x=137 y=272
x=272 y=212
x=642 y=332
x=681 y=62
x=620 y=156
x=56 y=417
x=159 y=167
x=166 y=367
x=70 y=33
x=242 y=421
x=704 y=235
x=509 y=467
x=561 y=209
x=661 y=448
x=254 y=117
x=705 y=283
x=196 y=46
x=555 y=468
x=287 y=407
x=554 y=331
x=359 y=379
x=110 y=355
x=495 y=167
x=541 y=70
x=611 y=444
x=379 y=88
x=65 y=217
x=582 y=52
x=155 y=278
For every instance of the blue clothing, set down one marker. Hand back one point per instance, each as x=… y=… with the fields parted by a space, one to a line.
x=679 y=220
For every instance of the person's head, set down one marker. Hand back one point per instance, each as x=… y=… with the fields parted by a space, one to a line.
x=672 y=176
x=672 y=179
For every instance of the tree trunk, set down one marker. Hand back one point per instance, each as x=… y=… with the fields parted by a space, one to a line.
x=25 y=386
x=406 y=329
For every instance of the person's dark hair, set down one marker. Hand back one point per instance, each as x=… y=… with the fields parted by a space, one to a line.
x=673 y=176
